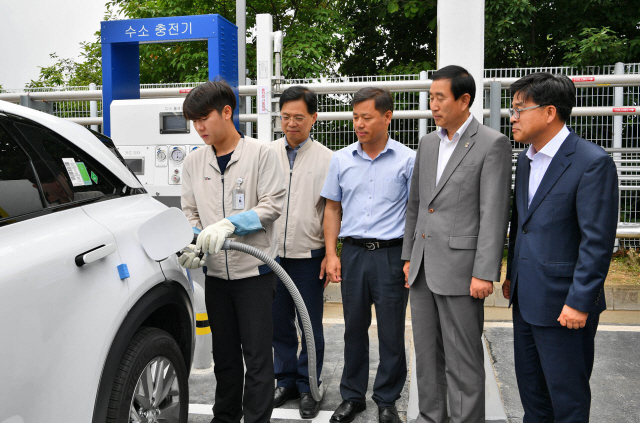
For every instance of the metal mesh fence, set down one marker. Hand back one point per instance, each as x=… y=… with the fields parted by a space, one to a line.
x=65 y=109
x=338 y=134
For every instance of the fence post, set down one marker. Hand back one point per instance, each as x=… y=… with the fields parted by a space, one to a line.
x=249 y=109
x=422 y=123
x=264 y=81
x=93 y=106
x=495 y=103
x=618 y=101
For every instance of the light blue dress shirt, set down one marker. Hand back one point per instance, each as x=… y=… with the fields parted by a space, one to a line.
x=373 y=193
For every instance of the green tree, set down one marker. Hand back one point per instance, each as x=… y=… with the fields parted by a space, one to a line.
x=532 y=33
x=368 y=37
x=390 y=36
x=594 y=47
x=69 y=72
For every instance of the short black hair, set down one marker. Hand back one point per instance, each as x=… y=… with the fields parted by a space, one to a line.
x=383 y=101
x=547 y=89
x=203 y=99
x=461 y=81
x=298 y=92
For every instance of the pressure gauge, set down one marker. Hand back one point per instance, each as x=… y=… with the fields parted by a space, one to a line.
x=177 y=155
x=161 y=155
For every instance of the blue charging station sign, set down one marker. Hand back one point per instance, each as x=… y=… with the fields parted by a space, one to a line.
x=121 y=52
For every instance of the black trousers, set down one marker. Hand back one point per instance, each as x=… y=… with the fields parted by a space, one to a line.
x=373 y=277
x=292 y=371
x=241 y=327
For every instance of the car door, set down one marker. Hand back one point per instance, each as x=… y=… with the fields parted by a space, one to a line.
x=56 y=314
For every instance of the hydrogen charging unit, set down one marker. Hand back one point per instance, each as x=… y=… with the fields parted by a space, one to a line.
x=151 y=134
x=154 y=138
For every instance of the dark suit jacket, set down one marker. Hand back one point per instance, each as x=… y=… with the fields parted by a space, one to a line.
x=560 y=246
x=458 y=228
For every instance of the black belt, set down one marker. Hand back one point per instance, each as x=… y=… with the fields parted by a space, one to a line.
x=373 y=244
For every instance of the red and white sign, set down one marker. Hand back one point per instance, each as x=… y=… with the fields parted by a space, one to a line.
x=624 y=110
x=583 y=79
x=185 y=90
x=263 y=100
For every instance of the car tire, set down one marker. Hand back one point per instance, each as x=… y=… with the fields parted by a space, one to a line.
x=151 y=383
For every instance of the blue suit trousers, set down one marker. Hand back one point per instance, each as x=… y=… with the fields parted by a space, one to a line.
x=291 y=370
x=553 y=367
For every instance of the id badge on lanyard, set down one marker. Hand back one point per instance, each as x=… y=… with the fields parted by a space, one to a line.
x=238 y=196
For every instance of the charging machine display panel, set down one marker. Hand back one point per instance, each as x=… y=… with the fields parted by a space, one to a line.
x=155 y=139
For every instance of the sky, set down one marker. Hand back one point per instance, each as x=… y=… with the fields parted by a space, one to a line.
x=30 y=30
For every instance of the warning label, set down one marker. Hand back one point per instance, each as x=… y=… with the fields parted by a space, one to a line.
x=583 y=79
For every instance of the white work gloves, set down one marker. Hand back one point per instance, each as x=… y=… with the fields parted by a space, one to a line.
x=191 y=258
x=212 y=237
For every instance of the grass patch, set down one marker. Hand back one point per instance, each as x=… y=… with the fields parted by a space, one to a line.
x=625 y=268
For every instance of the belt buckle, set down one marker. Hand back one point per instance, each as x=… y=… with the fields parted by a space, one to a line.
x=371 y=245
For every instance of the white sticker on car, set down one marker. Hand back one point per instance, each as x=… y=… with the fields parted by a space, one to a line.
x=73 y=172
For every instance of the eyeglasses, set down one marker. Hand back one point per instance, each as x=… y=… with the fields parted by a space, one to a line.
x=296 y=119
x=516 y=112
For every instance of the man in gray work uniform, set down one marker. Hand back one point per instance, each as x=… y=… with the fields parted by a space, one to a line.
x=304 y=163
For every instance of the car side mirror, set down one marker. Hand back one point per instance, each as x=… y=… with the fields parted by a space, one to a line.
x=165 y=234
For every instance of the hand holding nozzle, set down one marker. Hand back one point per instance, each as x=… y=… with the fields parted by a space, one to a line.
x=190 y=257
x=212 y=237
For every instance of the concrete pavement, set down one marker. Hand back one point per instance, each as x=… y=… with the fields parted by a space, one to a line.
x=615 y=382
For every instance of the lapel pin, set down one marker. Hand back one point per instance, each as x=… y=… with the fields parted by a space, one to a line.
x=466 y=145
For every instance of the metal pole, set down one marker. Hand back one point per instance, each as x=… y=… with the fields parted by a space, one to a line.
x=422 y=123
x=241 y=23
x=618 y=101
x=249 y=110
x=486 y=104
x=93 y=106
x=495 y=101
x=264 y=59
x=468 y=52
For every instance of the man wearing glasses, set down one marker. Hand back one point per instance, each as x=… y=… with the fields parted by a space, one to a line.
x=304 y=164
x=563 y=228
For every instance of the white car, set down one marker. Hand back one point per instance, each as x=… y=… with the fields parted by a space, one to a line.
x=92 y=329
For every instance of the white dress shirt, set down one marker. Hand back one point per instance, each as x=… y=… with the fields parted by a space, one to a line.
x=447 y=146
x=540 y=160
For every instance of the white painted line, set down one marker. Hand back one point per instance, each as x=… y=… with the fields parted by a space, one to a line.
x=204 y=409
x=601 y=328
x=616 y=328
x=294 y=414
x=278 y=413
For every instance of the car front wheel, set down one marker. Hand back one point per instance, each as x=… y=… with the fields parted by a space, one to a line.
x=151 y=384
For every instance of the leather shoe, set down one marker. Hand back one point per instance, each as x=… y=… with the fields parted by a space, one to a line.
x=309 y=408
x=282 y=395
x=388 y=414
x=347 y=411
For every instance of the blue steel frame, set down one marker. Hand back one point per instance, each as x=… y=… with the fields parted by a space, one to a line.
x=121 y=53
